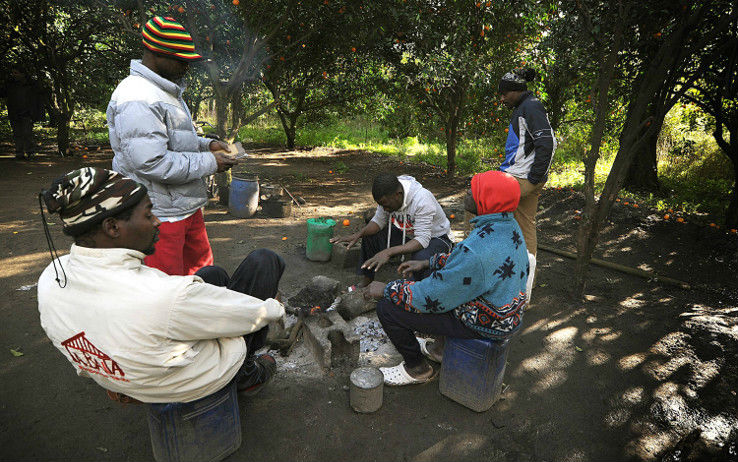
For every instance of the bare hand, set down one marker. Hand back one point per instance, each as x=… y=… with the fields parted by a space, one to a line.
x=351 y=239
x=406 y=269
x=375 y=290
x=377 y=260
x=224 y=162
x=217 y=145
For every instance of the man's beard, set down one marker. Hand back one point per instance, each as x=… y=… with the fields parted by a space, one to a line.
x=152 y=248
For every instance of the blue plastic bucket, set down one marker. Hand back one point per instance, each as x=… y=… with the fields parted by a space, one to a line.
x=472 y=371
x=206 y=430
x=243 y=196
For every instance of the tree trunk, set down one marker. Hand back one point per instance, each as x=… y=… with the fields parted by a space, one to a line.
x=731 y=213
x=288 y=125
x=653 y=76
x=643 y=172
x=63 y=120
x=451 y=135
x=221 y=113
x=236 y=109
x=456 y=106
x=589 y=225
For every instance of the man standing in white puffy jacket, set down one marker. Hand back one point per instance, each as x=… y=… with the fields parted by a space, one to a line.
x=155 y=143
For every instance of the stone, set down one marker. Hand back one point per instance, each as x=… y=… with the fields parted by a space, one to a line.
x=321 y=291
x=353 y=304
x=331 y=340
x=324 y=284
x=343 y=257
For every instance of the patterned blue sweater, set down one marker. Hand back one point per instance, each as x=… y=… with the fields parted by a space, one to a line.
x=482 y=280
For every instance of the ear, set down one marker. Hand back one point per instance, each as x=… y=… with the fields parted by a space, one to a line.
x=110 y=228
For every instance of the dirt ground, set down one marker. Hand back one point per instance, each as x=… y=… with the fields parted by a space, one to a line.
x=624 y=375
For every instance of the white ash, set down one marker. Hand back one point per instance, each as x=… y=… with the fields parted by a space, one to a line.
x=372 y=336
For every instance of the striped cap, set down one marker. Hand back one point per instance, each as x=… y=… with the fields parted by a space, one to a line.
x=166 y=36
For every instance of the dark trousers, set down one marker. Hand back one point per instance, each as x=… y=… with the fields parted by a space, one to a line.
x=22 y=135
x=258 y=275
x=371 y=245
x=401 y=325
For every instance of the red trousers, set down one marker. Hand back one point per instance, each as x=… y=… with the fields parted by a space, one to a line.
x=183 y=247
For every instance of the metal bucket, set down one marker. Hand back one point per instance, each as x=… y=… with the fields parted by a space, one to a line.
x=366 y=389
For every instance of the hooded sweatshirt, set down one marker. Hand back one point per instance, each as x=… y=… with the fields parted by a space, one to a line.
x=420 y=217
x=483 y=280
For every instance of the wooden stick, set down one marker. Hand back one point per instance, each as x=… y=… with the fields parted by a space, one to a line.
x=619 y=267
x=291 y=197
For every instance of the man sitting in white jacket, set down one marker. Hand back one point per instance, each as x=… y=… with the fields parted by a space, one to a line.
x=408 y=221
x=135 y=330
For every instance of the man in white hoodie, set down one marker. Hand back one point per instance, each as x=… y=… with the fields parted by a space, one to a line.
x=417 y=226
x=135 y=330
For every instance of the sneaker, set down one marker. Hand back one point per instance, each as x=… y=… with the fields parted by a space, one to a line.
x=263 y=369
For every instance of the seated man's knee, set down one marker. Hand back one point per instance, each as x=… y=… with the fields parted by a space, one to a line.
x=385 y=309
x=214 y=275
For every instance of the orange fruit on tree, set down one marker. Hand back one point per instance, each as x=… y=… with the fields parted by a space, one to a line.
x=452 y=216
x=667 y=216
x=734 y=231
x=330 y=171
x=346 y=222
x=180 y=9
x=236 y=2
x=680 y=220
x=712 y=225
x=284 y=238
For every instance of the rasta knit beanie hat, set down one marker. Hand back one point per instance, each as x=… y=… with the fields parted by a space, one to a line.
x=494 y=192
x=516 y=79
x=165 y=36
x=84 y=198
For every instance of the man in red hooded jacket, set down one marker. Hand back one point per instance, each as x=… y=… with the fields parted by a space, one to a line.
x=476 y=291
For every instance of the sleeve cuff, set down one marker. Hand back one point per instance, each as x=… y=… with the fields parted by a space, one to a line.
x=204 y=143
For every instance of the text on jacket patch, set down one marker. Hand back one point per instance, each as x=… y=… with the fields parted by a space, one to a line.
x=90 y=359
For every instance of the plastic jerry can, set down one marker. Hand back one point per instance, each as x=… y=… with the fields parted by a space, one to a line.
x=472 y=371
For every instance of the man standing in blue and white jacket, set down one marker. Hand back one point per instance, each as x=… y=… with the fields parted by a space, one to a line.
x=529 y=151
x=155 y=143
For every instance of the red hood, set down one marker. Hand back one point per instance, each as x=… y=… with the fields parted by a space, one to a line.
x=494 y=192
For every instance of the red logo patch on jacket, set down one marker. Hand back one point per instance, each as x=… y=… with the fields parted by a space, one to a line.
x=89 y=358
x=407 y=224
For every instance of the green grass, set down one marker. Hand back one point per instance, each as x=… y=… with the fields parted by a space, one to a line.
x=696 y=176
x=695 y=180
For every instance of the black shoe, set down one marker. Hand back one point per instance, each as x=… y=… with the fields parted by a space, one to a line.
x=264 y=368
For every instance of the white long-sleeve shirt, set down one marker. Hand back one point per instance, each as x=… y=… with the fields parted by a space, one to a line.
x=138 y=331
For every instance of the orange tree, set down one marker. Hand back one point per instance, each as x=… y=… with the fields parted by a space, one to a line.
x=652 y=78
x=315 y=57
x=447 y=54
x=73 y=47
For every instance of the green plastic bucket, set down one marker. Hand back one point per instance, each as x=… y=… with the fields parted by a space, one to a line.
x=319 y=233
